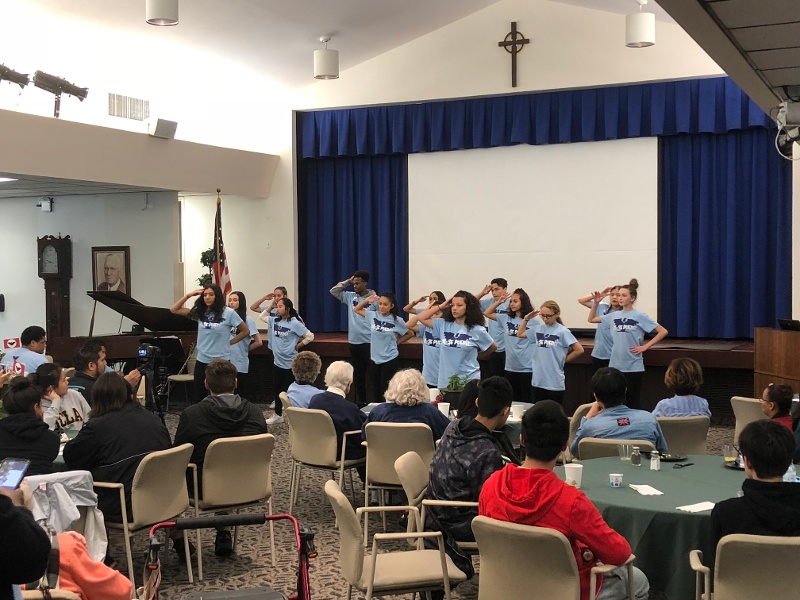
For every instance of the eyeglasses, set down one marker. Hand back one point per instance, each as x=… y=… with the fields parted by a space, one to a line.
x=544 y=316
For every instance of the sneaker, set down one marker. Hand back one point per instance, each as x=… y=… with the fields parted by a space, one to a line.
x=223 y=545
x=271 y=405
x=177 y=545
x=275 y=419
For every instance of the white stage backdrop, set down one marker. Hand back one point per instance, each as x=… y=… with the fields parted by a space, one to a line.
x=558 y=221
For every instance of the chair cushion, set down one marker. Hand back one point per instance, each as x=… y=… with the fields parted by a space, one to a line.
x=181 y=378
x=408 y=570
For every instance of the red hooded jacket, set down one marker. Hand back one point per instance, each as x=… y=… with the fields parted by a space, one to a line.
x=538 y=497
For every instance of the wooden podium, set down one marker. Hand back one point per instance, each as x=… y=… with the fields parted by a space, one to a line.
x=777 y=359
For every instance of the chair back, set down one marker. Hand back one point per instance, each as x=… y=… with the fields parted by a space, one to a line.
x=158 y=492
x=312 y=436
x=746 y=410
x=600 y=447
x=756 y=566
x=414 y=476
x=536 y=559
x=685 y=435
x=351 y=548
x=386 y=442
x=575 y=420
x=284 y=398
x=70 y=372
x=191 y=360
x=237 y=470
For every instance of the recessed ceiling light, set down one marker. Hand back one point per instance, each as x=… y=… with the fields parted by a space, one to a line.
x=5 y=179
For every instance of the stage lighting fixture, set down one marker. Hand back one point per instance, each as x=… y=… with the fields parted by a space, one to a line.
x=57 y=86
x=21 y=79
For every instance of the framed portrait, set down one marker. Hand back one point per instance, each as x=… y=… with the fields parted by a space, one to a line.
x=111 y=269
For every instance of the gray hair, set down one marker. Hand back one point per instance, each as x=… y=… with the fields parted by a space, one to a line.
x=306 y=366
x=340 y=375
x=407 y=388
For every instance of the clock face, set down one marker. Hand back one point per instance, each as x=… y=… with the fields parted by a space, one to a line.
x=49 y=260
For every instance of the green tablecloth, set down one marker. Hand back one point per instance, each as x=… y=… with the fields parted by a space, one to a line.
x=660 y=535
x=58 y=463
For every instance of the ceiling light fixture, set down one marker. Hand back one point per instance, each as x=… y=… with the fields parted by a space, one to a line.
x=13 y=76
x=640 y=28
x=57 y=86
x=161 y=12
x=326 y=62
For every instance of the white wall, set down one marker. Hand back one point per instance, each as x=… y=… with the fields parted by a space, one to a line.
x=558 y=221
x=98 y=220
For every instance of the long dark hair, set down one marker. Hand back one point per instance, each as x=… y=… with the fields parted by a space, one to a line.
x=47 y=375
x=525 y=304
x=200 y=310
x=393 y=300
x=110 y=393
x=242 y=310
x=440 y=295
x=288 y=309
x=472 y=316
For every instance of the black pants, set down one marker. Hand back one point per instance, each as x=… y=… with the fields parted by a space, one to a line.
x=380 y=375
x=359 y=357
x=282 y=379
x=497 y=362
x=199 y=387
x=543 y=394
x=243 y=385
x=598 y=363
x=521 y=384
x=634 y=381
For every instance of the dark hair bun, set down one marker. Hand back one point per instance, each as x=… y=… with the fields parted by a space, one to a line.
x=634 y=284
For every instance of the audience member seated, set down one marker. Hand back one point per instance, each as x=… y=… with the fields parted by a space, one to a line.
x=407 y=402
x=222 y=414
x=25 y=359
x=346 y=416
x=769 y=505
x=24 y=547
x=305 y=368
x=684 y=377
x=609 y=418
x=79 y=573
x=471 y=450
x=468 y=400
x=776 y=404
x=63 y=408
x=90 y=362
x=23 y=433
x=112 y=443
x=534 y=495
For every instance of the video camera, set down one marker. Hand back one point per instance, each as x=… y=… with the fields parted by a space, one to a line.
x=150 y=365
x=149 y=358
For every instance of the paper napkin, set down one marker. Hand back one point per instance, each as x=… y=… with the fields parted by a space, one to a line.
x=646 y=490
x=699 y=507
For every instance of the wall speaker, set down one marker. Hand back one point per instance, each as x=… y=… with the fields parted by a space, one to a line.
x=161 y=128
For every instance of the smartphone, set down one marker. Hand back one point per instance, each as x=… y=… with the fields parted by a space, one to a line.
x=12 y=471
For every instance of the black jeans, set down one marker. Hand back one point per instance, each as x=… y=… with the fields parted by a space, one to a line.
x=359 y=357
x=380 y=375
x=543 y=394
x=521 y=384
x=497 y=361
x=199 y=387
x=282 y=379
x=633 y=395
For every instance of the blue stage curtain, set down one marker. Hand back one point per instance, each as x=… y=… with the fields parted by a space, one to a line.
x=352 y=214
x=726 y=234
x=715 y=105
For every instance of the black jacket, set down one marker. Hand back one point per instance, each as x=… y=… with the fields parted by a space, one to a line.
x=111 y=447
x=83 y=383
x=214 y=418
x=765 y=509
x=24 y=547
x=26 y=436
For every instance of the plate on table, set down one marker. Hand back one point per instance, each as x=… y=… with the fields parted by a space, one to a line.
x=673 y=457
x=734 y=465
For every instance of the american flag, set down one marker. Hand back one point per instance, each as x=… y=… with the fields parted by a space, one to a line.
x=219 y=263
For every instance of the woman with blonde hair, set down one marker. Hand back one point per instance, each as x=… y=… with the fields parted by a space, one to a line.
x=553 y=346
x=406 y=402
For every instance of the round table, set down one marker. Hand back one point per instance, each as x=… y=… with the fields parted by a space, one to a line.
x=660 y=535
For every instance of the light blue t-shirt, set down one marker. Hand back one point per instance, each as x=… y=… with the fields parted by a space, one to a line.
x=213 y=335
x=602 y=337
x=518 y=350
x=273 y=313
x=496 y=330
x=285 y=335
x=458 y=349
x=550 y=346
x=430 y=354
x=621 y=423
x=240 y=352
x=384 y=332
x=682 y=406
x=28 y=360
x=627 y=330
x=300 y=394
x=358 y=330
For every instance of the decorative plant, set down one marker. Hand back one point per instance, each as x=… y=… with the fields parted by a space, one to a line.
x=206 y=259
x=456 y=383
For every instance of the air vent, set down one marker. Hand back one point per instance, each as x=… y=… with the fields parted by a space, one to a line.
x=128 y=108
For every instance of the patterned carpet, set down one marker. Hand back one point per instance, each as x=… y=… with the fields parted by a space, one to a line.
x=250 y=566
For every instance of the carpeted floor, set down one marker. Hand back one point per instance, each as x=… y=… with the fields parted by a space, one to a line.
x=250 y=566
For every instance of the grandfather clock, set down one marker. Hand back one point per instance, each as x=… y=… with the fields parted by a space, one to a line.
x=55 y=267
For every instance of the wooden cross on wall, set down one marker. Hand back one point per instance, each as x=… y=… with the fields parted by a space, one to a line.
x=513 y=44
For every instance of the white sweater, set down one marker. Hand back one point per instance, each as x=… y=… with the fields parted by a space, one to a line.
x=68 y=412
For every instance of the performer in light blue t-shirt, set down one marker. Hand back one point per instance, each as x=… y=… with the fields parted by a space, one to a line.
x=240 y=353
x=601 y=353
x=430 y=343
x=518 y=350
x=498 y=287
x=386 y=331
x=553 y=345
x=628 y=328
x=462 y=336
